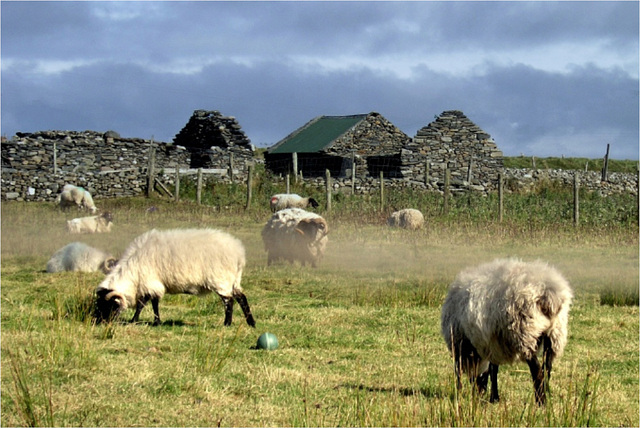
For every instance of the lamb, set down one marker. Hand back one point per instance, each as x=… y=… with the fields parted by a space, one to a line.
x=282 y=201
x=178 y=261
x=79 y=257
x=295 y=234
x=96 y=224
x=407 y=218
x=72 y=195
x=504 y=311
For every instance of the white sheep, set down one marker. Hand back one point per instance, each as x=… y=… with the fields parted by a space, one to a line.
x=295 y=234
x=179 y=261
x=96 y=224
x=407 y=218
x=76 y=196
x=504 y=311
x=282 y=201
x=79 y=257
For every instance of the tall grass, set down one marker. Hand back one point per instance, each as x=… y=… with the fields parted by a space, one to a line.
x=359 y=336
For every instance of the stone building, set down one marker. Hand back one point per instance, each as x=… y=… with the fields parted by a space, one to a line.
x=334 y=142
x=211 y=138
x=455 y=142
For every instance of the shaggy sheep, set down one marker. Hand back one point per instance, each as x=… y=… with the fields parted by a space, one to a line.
x=290 y=200
x=179 y=261
x=96 y=224
x=79 y=257
x=502 y=312
x=76 y=196
x=407 y=219
x=295 y=234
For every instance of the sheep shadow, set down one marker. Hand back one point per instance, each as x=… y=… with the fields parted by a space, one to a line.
x=164 y=323
x=427 y=392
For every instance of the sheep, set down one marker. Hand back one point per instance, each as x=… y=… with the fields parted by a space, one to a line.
x=72 y=195
x=79 y=257
x=290 y=200
x=407 y=218
x=96 y=224
x=177 y=261
x=504 y=311
x=295 y=234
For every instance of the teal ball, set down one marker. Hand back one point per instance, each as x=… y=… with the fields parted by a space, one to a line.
x=267 y=341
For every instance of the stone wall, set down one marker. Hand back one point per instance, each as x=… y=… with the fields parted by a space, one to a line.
x=35 y=166
x=455 y=142
x=211 y=137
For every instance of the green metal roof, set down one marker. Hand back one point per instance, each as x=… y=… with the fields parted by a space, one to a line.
x=317 y=134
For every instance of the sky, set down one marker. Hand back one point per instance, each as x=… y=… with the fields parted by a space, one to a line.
x=543 y=78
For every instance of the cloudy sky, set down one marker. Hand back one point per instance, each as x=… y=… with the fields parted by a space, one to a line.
x=543 y=78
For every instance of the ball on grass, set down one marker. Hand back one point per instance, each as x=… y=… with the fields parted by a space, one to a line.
x=267 y=341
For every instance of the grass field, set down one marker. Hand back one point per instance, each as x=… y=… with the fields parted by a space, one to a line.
x=359 y=335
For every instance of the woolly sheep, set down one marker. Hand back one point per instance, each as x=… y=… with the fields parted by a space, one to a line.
x=504 y=311
x=79 y=257
x=295 y=234
x=407 y=218
x=76 y=196
x=290 y=200
x=178 y=261
x=96 y=224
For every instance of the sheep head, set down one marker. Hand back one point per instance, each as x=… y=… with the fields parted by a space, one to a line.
x=313 y=203
x=109 y=305
x=313 y=229
x=108 y=265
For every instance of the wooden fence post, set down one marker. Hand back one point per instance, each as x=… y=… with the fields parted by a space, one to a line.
x=288 y=185
x=151 y=169
x=249 y=185
x=426 y=173
x=55 y=159
x=199 y=187
x=177 y=195
x=605 y=168
x=328 y=188
x=576 y=202
x=533 y=162
x=353 y=173
x=470 y=172
x=231 y=166
x=500 y=197
x=447 y=179
x=381 y=191
x=294 y=161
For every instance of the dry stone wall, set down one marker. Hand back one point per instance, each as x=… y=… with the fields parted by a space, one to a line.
x=455 y=142
x=35 y=166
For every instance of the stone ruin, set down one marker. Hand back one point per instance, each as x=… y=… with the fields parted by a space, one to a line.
x=211 y=137
x=455 y=142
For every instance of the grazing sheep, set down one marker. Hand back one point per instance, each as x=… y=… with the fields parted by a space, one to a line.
x=79 y=257
x=295 y=234
x=502 y=312
x=179 y=261
x=290 y=200
x=76 y=196
x=407 y=219
x=96 y=224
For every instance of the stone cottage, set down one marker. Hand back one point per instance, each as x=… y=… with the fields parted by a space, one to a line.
x=453 y=141
x=211 y=138
x=334 y=142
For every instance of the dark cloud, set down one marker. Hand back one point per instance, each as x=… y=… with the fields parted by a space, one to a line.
x=276 y=65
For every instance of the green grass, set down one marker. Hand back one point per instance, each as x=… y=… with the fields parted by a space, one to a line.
x=359 y=335
x=628 y=166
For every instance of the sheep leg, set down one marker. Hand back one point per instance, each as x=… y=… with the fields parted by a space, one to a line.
x=242 y=301
x=493 y=372
x=155 y=302
x=481 y=382
x=537 y=375
x=228 y=309
x=140 y=304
